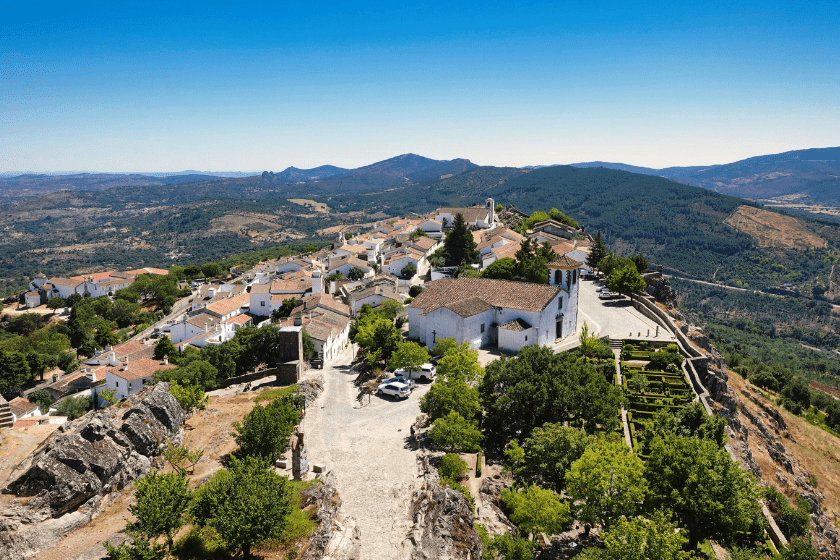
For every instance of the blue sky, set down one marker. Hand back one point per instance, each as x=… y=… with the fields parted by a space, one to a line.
x=240 y=86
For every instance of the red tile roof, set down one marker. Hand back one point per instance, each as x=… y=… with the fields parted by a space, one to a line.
x=516 y=325
x=141 y=369
x=564 y=263
x=499 y=293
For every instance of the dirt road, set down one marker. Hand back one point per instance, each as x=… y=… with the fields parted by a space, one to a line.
x=367 y=447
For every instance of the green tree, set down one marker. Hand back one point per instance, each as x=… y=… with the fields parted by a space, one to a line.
x=308 y=345
x=531 y=260
x=211 y=270
x=641 y=262
x=597 y=252
x=408 y=271
x=162 y=501
x=460 y=244
x=800 y=549
x=639 y=538
x=55 y=304
x=797 y=390
x=286 y=308
x=164 y=347
x=73 y=407
x=409 y=356
x=709 y=492
x=448 y=396
x=559 y=216
x=377 y=335
x=265 y=431
x=609 y=480
x=443 y=345
x=549 y=453
x=355 y=274
x=460 y=363
x=626 y=281
x=42 y=399
x=452 y=466
x=246 y=505
x=501 y=269
x=14 y=370
x=188 y=396
x=538 y=386
x=512 y=548
x=536 y=510
x=456 y=433
x=612 y=262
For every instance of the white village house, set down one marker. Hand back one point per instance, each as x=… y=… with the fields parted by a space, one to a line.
x=481 y=311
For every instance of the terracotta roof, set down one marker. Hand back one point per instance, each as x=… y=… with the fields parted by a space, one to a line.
x=134 y=349
x=141 y=369
x=500 y=293
x=240 y=319
x=202 y=318
x=328 y=301
x=506 y=251
x=296 y=285
x=228 y=305
x=561 y=247
x=260 y=288
x=565 y=263
x=516 y=325
x=33 y=294
x=319 y=330
x=348 y=259
x=469 y=307
x=65 y=282
x=97 y=276
x=20 y=406
x=424 y=243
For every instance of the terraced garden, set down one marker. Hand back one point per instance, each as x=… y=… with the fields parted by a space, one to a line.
x=654 y=382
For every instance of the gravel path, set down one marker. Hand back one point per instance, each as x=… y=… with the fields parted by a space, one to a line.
x=367 y=447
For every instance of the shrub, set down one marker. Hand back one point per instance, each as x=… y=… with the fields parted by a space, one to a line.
x=455 y=433
x=73 y=407
x=452 y=466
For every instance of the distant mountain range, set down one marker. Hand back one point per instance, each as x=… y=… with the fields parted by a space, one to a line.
x=800 y=176
x=406 y=169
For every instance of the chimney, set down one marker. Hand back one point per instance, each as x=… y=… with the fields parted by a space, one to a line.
x=297 y=322
x=166 y=360
x=112 y=356
x=206 y=327
x=125 y=364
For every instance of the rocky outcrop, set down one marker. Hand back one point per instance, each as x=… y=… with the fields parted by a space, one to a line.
x=81 y=462
x=443 y=525
x=660 y=288
x=765 y=430
x=337 y=537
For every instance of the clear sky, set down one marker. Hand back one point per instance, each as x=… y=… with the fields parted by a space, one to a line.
x=146 y=86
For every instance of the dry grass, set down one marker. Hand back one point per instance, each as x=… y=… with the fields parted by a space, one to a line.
x=817 y=451
x=770 y=229
x=317 y=206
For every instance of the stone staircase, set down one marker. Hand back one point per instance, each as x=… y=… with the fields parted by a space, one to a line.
x=6 y=418
x=616 y=344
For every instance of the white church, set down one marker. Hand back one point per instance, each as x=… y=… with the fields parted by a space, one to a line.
x=483 y=311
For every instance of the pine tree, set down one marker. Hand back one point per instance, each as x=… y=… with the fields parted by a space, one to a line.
x=460 y=245
x=597 y=252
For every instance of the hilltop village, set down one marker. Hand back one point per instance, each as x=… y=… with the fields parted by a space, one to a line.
x=529 y=365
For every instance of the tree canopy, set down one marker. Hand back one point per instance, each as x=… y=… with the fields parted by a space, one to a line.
x=459 y=245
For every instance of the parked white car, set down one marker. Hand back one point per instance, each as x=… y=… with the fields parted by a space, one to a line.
x=400 y=379
x=605 y=294
x=395 y=389
x=427 y=372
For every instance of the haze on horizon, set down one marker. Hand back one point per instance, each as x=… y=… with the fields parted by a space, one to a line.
x=223 y=87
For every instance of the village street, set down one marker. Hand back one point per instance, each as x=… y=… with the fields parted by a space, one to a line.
x=367 y=448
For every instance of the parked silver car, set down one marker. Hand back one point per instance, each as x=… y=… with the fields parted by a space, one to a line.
x=395 y=389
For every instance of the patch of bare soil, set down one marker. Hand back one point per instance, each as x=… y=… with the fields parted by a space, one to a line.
x=317 y=206
x=209 y=430
x=770 y=229
x=817 y=451
x=20 y=443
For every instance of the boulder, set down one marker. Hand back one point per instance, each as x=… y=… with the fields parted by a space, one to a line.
x=73 y=469
x=443 y=525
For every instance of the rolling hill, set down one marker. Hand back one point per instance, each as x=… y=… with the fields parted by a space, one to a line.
x=801 y=176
